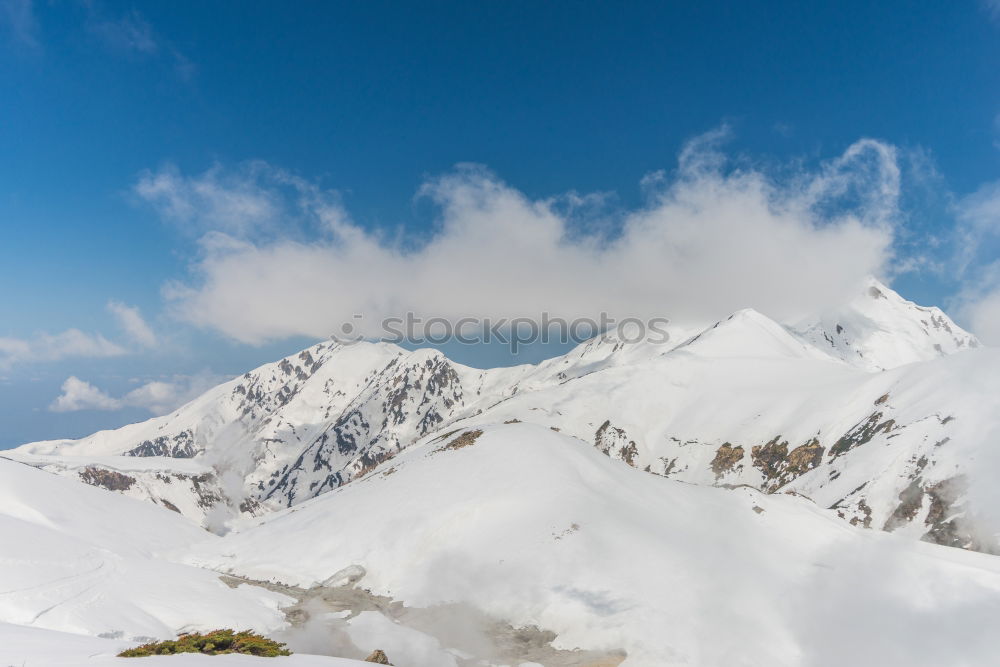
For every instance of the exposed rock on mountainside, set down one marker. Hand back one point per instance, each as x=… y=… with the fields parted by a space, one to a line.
x=464 y=440
x=614 y=442
x=862 y=433
x=378 y=657
x=726 y=459
x=180 y=446
x=780 y=466
x=108 y=479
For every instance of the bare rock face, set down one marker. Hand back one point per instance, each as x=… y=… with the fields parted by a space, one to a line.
x=464 y=440
x=779 y=466
x=180 y=446
x=107 y=479
x=862 y=433
x=378 y=657
x=616 y=443
x=726 y=459
x=945 y=520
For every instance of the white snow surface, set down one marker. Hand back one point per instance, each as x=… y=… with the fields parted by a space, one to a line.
x=82 y=560
x=539 y=528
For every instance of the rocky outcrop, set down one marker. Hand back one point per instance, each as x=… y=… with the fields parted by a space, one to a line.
x=943 y=507
x=180 y=446
x=910 y=501
x=464 y=440
x=727 y=458
x=780 y=466
x=862 y=433
x=107 y=479
x=614 y=442
x=378 y=657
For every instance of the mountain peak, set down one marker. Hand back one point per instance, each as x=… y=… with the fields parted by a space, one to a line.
x=748 y=333
x=879 y=329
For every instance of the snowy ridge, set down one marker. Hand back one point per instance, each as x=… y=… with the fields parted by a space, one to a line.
x=880 y=330
x=745 y=401
x=747 y=333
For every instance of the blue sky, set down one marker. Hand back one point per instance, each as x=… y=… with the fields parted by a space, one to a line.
x=133 y=135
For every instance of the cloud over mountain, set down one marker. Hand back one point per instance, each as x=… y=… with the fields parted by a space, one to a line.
x=279 y=256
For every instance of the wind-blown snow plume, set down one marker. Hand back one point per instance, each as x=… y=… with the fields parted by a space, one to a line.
x=710 y=239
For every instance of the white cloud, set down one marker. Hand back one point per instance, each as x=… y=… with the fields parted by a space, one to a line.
x=978 y=223
x=157 y=396
x=130 y=32
x=255 y=201
x=132 y=323
x=978 y=245
x=80 y=395
x=132 y=35
x=19 y=18
x=992 y=7
x=978 y=304
x=983 y=315
x=73 y=343
x=54 y=347
x=710 y=240
x=163 y=396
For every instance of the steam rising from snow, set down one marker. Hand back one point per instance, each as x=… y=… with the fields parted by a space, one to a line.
x=711 y=238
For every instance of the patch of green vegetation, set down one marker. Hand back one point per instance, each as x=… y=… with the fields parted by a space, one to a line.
x=216 y=642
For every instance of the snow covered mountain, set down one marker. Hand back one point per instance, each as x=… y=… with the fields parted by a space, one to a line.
x=880 y=329
x=801 y=409
x=626 y=503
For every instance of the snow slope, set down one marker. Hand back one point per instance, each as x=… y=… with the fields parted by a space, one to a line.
x=82 y=560
x=538 y=528
x=745 y=402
